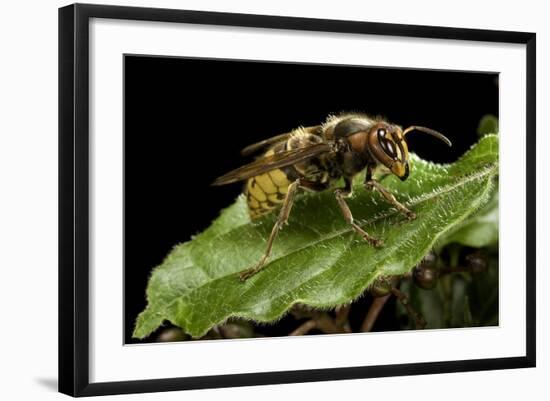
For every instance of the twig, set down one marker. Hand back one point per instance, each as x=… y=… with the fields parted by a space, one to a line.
x=327 y=325
x=342 y=315
x=304 y=328
x=218 y=331
x=476 y=262
x=460 y=269
x=373 y=312
x=419 y=321
x=320 y=321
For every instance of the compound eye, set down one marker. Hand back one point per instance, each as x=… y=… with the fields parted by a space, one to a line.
x=386 y=143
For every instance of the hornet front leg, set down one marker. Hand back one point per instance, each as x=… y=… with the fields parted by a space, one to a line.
x=372 y=184
x=341 y=195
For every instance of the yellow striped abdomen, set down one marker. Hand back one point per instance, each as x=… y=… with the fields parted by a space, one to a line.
x=266 y=192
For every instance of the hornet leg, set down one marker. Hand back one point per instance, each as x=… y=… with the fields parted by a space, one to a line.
x=373 y=184
x=281 y=220
x=340 y=197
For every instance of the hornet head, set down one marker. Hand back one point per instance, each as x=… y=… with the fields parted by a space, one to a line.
x=388 y=146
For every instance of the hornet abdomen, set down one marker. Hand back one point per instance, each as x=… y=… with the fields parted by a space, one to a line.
x=266 y=192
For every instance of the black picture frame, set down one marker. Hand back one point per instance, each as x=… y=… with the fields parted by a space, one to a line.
x=74 y=194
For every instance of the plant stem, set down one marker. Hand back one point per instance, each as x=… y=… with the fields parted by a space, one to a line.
x=304 y=328
x=327 y=325
x=419 y=321
x=373 y=312
x=458 y=269
x=320 y=321
x=342 y=315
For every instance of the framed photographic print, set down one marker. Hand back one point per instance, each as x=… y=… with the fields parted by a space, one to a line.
x=312 y=191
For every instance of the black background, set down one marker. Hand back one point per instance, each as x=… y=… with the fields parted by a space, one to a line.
x=187 y=119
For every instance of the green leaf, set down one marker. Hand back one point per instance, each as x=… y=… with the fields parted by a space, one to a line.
x=487 y=125
x=318 y=260
x=479 y=230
